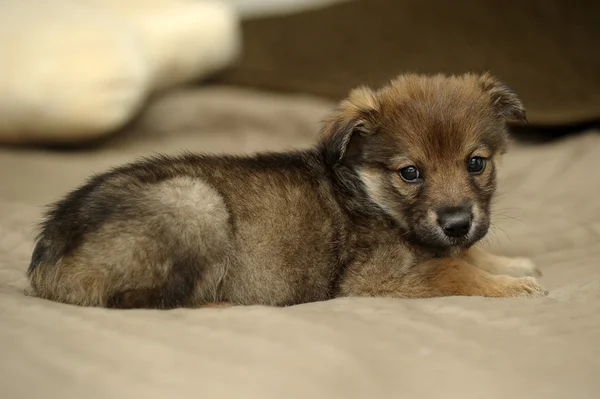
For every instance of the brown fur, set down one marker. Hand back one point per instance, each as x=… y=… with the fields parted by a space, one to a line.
x=283 y=229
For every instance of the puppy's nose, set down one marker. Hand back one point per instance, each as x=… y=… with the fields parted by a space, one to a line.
x=455 y=221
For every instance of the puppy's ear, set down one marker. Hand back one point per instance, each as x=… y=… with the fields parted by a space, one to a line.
x=354 y=117
x=507 y=103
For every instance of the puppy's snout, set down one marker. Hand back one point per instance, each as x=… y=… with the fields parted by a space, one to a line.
x=455 y=221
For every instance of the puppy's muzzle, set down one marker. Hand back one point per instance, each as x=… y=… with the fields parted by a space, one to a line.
x=455 y=221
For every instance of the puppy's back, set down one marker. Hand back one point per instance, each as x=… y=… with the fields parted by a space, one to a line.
x=165 y=231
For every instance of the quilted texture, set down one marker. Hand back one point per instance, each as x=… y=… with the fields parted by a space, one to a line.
x=347 y=348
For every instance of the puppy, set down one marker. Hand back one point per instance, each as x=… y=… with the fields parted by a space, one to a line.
x=389 y=202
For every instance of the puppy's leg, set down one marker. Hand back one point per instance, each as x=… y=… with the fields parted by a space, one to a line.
x=170 y=249
x=517 y=267
x=434 y=278
x=457 y=277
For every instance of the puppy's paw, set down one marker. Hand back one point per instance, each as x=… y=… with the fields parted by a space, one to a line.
x=525 y=286
x=29 y=291
x=522 y=267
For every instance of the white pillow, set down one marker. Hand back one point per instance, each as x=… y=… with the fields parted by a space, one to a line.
x=72 y=70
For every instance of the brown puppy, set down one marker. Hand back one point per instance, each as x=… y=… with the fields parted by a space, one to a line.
x=388 y=203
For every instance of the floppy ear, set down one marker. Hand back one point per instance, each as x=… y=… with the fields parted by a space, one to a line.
x=508 y=105
x=353 y=117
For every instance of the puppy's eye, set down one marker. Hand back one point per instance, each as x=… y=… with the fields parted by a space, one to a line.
x=410 y=174
x=476 y=165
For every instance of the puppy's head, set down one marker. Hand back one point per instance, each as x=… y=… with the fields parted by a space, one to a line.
x=424 y=150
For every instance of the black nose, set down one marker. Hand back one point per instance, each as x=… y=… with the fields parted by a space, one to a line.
x=455 y=221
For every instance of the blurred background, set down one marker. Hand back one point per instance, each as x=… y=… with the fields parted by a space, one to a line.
x=76 y=71
x=89 y=84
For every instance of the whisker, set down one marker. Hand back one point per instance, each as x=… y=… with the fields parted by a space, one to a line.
x=494 y=235
x=485 y=241
x=496 y=216
x=504 y=209
x=494 y=226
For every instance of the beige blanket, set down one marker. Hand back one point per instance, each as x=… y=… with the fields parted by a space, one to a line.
x=347 y=348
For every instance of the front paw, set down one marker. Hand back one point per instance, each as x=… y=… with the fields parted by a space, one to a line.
x=524 y=286
x=522 y=267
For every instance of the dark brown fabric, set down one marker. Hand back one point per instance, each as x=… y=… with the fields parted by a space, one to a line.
x=547 y=50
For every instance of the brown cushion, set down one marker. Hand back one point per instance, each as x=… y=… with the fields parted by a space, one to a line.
x=547 y=50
